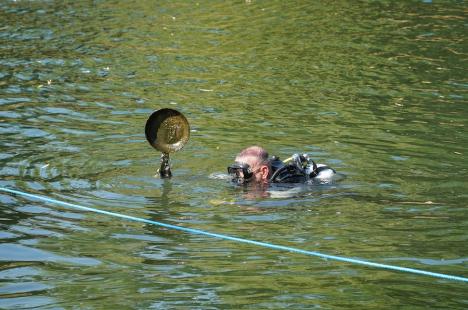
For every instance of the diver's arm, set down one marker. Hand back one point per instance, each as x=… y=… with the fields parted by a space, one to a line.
x=165 y=169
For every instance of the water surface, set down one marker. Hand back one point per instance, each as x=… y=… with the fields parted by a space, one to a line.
x=376 y=90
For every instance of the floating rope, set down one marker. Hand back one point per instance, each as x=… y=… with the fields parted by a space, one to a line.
x=241 y=240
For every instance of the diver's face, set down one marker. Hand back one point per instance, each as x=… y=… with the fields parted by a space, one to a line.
x=257 y=174
x=260 y=172
x=248 y=171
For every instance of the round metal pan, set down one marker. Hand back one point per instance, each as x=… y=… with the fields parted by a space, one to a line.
x=167 y=130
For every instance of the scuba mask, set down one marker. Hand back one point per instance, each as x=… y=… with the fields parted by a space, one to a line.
x=240 y=173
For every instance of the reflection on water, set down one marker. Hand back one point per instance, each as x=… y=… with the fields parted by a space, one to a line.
x=377 y=90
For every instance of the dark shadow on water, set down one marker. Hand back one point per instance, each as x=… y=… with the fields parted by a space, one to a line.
x=288 y=194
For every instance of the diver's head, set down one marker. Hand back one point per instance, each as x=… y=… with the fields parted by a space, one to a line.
x=251 y=166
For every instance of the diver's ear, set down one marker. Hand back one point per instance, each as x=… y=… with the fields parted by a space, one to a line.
x=265 y=172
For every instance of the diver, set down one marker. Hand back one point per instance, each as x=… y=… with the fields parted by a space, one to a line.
x=168 y=130
x=253 y=165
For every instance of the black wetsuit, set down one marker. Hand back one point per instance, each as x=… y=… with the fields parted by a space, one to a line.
x=294 y=172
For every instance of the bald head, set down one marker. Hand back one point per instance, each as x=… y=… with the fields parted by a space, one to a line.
x=257 y=158
x=253 y=155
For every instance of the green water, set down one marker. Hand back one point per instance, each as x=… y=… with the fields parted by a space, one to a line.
x=375 y=89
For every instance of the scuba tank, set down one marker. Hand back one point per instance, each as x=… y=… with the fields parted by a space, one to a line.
x=299 y=168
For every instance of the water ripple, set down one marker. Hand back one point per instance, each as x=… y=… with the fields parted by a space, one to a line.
x=20 y=253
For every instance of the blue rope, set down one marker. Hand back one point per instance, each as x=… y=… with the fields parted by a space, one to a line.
x=236 y=239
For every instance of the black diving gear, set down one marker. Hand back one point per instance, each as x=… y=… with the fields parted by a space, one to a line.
x=295 y=169
x=240 y=173
x=165 y=169
x=299 y=168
